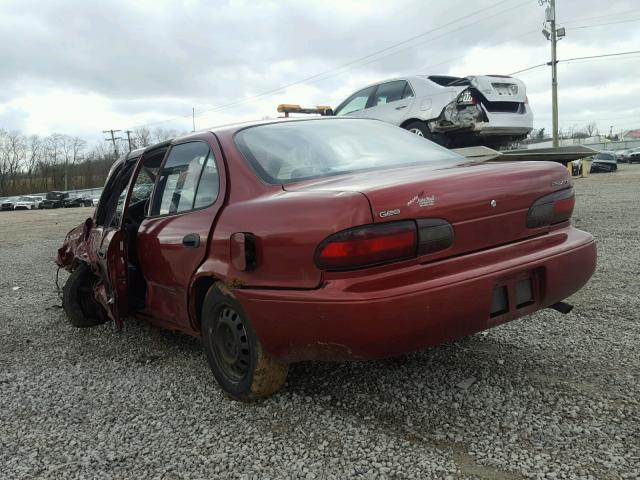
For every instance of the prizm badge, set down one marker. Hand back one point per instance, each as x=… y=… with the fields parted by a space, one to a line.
x=559 y=183
x=388 y=213
x=422 y=200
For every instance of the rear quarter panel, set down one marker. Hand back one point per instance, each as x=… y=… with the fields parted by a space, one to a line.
x=288 y=227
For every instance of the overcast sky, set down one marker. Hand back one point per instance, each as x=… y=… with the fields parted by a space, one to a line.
x=80 y=67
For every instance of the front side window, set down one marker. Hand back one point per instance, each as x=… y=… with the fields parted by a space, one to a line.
x=356 y=102
x=177 y=189
x=391 y=92
x=290 y=151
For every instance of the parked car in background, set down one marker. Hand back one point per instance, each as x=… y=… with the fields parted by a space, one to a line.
x=634 y=156
x=8 y=203
x=38 y=199
x=26 y=203
x=321 y=239
x=604 y=162
x=622 y=155
x=490 y=110
x=55 y=200
x=94 y=201
x=78 y=202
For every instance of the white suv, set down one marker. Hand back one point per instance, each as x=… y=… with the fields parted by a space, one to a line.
x=490 y=110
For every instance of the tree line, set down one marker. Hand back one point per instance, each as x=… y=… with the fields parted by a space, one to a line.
x=34 y=163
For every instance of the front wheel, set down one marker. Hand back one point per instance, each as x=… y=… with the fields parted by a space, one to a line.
x=236 y=357
x=78 y=301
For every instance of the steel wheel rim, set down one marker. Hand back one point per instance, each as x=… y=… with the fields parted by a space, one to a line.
x=229 y=343
x=416 y=131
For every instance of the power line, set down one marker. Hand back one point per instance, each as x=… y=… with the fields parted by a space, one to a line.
x=600 y=56
x=347 y=66
x=351 y=63
x=589 y=57
x=598 y=17
x=607 y=23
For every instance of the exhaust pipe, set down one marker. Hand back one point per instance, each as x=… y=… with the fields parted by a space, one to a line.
x=562 y=307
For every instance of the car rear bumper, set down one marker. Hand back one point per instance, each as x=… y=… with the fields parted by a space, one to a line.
x=500 y=123
x=399 y=310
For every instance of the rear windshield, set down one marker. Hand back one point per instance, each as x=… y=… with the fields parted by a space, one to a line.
x=291 y=151
x=605 y=156
x=445 y=80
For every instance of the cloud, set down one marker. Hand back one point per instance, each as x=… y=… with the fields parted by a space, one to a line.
x=80 y=67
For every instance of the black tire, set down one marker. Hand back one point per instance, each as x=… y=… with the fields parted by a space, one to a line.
x=236 y=357
x=420 y=129
x=77 y=299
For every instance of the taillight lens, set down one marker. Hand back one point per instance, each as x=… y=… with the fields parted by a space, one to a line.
x=367 y=246
x=551 y=209
x=467 y=97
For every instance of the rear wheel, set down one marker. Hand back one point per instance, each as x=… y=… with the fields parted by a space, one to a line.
x=420 y=129
x=236 y=357
x=78 y=301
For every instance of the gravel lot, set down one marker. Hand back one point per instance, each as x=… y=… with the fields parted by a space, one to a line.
x=549 y=396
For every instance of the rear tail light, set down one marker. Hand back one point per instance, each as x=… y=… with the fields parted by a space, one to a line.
x=526 y=100
x=368 y=245
x=551 y=209
x=434 y=234
x=378 y=244
x=467 y=97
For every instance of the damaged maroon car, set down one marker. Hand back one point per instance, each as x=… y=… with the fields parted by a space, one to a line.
x=321 y=239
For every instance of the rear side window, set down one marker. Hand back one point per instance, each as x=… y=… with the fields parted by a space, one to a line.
x=356 y=102
x=391 y=92
x=179 y=179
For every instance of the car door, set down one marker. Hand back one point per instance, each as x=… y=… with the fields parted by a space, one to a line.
x=391 y=102
x=355 y=105
x=172 y=240
x=108 y=238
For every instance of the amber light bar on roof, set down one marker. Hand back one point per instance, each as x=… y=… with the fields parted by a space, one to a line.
x=288 y=108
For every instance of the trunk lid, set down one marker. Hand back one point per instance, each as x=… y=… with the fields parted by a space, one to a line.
x=499 y=88
x=486 y=203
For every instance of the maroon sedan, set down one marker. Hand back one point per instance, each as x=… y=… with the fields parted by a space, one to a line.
x=321 y=239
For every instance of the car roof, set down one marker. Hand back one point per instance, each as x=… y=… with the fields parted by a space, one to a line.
x=230 y=129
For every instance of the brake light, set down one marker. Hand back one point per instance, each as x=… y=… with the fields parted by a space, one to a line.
x=466 y=97
x=551 y=209
x=526 y=100
x=367 y=246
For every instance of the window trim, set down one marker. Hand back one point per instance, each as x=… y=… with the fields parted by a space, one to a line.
x=402 y=97
x=164 y=160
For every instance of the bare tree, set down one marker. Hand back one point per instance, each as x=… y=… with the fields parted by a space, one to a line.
x=141 y=137
x=34 y=146
x=72 y=147
x=591 y=129
x=14 y=154
x=161 y=134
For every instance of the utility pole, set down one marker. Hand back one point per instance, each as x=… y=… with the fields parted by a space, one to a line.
x=128 y=132
x=113 y=140
x=553 y=34
x=554 y=74
x=193 y=117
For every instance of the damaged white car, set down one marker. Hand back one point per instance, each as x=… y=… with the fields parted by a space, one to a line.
x=490 y=110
